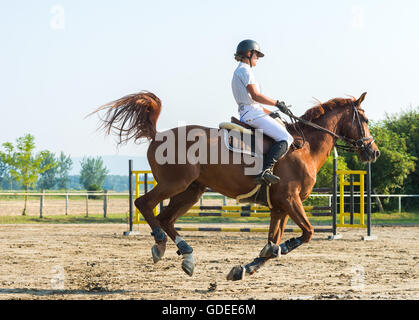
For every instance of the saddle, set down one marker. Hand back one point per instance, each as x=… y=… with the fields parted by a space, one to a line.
x=246 y=142
x=241 y=138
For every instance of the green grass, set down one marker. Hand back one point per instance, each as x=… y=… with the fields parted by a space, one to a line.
x=63 y=219
x=396 y=218
x=404 y=218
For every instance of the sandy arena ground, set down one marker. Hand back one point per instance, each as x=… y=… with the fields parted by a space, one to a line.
x=98 y=262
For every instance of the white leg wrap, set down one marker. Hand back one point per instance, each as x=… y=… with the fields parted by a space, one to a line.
x=178 y=239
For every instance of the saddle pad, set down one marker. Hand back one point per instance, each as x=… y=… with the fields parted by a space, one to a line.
x=233 y=126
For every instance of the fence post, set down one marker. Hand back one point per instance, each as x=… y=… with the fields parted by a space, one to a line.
x=66 y=203
x=130 y=231
x=369 y=236
x=335 y=236
x=105 y=203
x=41 y=207
x=400 y=204
x=87 y=205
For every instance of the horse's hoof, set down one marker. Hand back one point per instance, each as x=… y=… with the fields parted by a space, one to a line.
x=157 y=251
x=188 y=264
x=237 y=273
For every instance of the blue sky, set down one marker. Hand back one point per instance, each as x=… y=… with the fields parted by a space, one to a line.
x=61 y=60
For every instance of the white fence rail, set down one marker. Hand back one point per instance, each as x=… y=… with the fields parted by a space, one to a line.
x=66 y=197
x=106 y=196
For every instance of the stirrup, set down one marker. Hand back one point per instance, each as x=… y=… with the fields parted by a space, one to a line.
x=267 y=177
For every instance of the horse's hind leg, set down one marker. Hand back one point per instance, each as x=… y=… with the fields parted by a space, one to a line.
x=179 y=205
x=146 y=204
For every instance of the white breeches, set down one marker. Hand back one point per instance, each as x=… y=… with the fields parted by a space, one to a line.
x=271 y=127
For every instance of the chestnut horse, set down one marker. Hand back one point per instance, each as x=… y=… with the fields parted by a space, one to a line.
x=134 y=117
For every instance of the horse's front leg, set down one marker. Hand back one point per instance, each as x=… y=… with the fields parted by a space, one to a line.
x=270 y=250
x=298 y=215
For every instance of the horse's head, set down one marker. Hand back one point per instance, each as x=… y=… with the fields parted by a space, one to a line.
x=357 y=133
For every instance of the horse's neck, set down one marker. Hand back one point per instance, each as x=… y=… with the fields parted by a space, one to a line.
x=322 y=143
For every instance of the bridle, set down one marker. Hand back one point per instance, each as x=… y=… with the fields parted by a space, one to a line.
x=360 y=143
x=354 y=145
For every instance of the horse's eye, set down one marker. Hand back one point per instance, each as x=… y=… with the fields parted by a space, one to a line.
x=364 y=119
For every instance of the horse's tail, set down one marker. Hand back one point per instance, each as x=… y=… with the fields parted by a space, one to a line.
x=132 y=117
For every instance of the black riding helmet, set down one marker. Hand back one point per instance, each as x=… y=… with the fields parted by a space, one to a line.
x=248 y=45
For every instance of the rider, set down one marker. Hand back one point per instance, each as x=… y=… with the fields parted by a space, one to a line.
x=246 y=91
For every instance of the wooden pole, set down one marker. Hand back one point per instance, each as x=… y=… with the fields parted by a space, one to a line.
x=41 y=208
x=400 y=204
x=105 y=203
x=130 y=231
x=66 y=204
x=87 y=205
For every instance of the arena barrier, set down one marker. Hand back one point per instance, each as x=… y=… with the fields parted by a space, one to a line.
x=261 y=211
x=236 y=211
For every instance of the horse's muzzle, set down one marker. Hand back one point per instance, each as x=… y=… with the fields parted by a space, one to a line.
x=369 y=155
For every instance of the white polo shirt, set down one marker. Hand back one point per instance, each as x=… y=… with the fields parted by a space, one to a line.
x=242 y=77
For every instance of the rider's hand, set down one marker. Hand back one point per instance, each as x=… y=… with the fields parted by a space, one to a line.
x=281 y=106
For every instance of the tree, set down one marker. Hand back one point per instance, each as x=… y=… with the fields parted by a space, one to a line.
x=325 y=175
x=391 y=169
x=406 y=125
x=64 y=166
x=25 y=166
x=93 y=173
x=5 y=176
x=47 y=179
x=3 y=173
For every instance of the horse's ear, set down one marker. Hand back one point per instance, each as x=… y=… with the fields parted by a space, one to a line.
x=361 y=98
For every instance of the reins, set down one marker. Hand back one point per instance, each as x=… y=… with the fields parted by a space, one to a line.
x=354 y=144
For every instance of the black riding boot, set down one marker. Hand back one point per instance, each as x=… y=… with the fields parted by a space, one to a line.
x=277 y=151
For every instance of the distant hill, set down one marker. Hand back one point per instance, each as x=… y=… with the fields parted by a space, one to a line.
x=117 y=165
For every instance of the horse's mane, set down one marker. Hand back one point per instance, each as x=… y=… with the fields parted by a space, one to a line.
x=322 y=108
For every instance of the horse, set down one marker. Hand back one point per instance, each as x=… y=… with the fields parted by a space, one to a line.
x=134 y=118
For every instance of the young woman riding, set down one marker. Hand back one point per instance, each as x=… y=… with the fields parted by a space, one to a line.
x=247 y=93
